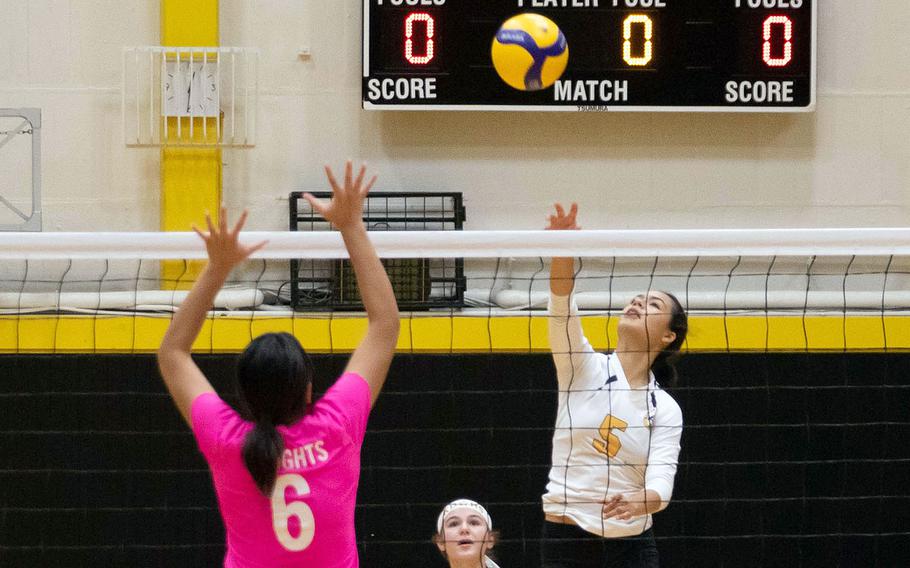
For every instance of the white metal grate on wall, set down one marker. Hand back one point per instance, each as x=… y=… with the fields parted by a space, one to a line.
x=190 y=96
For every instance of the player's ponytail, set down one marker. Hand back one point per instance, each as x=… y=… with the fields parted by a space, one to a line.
x=262 y=450
x=273 y=374
x=664 y=366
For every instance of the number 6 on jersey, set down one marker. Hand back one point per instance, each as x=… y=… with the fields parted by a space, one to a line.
x=283 y=511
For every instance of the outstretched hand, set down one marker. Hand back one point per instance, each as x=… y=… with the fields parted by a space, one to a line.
x=345 y=210
x=563 y=221
x=223 y=244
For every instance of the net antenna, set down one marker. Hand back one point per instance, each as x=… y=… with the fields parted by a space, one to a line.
x=190 y=96
x=16 y=122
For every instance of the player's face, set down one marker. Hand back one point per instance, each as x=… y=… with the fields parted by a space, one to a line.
x=647 y=319
x=466 y=536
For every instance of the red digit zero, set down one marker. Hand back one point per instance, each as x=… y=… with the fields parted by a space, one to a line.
x=429 y=50
x=777 y=57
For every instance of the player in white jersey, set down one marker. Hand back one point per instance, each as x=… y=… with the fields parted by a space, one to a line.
x=616 y=439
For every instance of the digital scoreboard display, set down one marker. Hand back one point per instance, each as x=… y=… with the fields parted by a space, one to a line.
x=590 y=55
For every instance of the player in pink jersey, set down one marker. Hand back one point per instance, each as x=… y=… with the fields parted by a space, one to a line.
x=286 y=470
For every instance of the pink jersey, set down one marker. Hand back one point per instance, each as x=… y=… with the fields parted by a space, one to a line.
x=309 y=521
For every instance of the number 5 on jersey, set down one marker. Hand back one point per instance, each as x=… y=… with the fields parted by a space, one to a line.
x=611 y=447
x=283 y=511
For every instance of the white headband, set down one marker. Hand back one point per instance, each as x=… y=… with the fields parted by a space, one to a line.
x=463 y=504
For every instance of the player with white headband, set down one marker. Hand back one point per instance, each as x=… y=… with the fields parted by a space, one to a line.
x=465 y=535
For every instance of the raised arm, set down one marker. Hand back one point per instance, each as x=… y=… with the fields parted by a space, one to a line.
x=182 y=377
x=562 y=269
x=373 y=355
x=571 y=350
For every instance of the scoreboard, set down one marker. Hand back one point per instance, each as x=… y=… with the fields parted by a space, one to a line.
x=623 y=55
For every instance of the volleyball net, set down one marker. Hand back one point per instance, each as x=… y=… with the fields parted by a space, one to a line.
x=794 y=387
x=746 y=290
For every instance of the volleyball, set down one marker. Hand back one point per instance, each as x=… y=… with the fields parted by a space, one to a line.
x=530 y=52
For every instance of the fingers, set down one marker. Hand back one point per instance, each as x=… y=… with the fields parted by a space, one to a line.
x=222 y=229
x=332 y=181
x=562 y=221
x=252 y=250
x=348 y=169
x=369 y=186
x=614 y=506
x=350 y=183
x=315 y=203
x=240 y=222
x=620 y=516
x=562 y=215
x=619 y=507
x=200 y=233
x=363 y=171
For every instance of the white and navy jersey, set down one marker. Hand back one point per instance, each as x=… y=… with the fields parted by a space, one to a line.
x=609 y=438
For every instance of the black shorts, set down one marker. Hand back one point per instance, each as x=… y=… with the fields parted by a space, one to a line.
x=569 y=546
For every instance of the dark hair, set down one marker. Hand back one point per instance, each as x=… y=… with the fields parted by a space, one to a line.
x=273 y=374
x=664 y=366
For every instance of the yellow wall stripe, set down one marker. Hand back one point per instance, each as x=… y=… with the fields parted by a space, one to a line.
x=190 y=188
x=459 y=334
x=189 y=23
x=190 y=177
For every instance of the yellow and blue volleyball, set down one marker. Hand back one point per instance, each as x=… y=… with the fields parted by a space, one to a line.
x=530 y=52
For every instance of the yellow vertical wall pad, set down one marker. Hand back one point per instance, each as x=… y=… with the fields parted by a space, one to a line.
x=189 y=23
x=190 y=177
x=190 y=187
x=321 y=333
